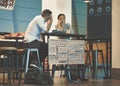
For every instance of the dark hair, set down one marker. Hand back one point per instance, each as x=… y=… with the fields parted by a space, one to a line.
x=60 y=15
x=46 y=12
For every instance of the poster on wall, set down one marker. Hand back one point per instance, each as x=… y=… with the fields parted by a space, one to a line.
x=64 y=51
x=7 y=4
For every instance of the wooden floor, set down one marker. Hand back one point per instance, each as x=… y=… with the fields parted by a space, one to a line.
x=99 y=81
x=63 y=82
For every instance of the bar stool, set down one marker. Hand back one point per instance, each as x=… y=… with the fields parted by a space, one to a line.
x=7 y=54
x=94 y=64
x=28 y=51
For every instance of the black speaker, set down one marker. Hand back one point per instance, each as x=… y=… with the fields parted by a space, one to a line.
x=99 y=26
x=99 y=19
x=99 y=7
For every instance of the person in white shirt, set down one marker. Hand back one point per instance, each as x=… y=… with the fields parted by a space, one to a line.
x=41 y=23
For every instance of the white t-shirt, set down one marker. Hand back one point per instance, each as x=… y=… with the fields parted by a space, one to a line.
x=35 y=27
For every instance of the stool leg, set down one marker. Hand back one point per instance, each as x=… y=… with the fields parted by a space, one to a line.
x=88 y=57
x=39 y=64
x=17 y=66
x=96 y=63
x=27 y=61
x=9 y=68
x=23 y=59
x=93 y=64
x=4 y=68
x=103 y=63
x=23 y=63
x=68 y=74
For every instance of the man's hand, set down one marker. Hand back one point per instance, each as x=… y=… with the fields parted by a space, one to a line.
x=49 y=23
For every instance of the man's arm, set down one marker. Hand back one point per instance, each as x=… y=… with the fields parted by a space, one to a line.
x=49 y=23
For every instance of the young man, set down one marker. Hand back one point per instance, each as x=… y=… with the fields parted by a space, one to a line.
x=34 y=30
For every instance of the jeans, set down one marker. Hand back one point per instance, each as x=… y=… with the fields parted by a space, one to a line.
x=42 y=47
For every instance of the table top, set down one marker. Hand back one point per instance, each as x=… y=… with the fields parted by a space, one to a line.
x=81 y=36
x=16 y=38
x=63 y=34
x=4 y=33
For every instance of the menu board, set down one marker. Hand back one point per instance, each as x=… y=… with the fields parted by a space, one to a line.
x=65 y=51
x=76 y=52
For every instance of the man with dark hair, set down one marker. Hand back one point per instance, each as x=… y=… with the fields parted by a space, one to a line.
x=34 y=30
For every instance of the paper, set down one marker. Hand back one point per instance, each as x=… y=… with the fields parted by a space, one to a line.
x=65 y=51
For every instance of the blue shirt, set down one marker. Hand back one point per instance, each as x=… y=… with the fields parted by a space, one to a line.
x=67 y=28
x=35 y=27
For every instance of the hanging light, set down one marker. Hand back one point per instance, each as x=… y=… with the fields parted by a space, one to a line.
x=86 y=1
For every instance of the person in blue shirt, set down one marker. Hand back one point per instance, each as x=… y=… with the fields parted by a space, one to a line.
x=39 y=24
x=62 y=25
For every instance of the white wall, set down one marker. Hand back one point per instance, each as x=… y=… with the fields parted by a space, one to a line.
x=58 y=6
x=115 y=34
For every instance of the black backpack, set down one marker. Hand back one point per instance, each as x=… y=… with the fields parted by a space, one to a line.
x=36 y=76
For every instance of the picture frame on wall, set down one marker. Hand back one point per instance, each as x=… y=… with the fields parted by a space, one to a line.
x=7 y=4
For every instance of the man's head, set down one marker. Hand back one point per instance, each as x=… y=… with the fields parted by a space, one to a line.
x=46 y=14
